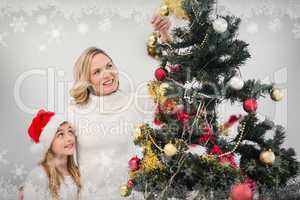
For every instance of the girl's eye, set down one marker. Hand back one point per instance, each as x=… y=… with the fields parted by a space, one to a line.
x=60 y=134
x=109 y=65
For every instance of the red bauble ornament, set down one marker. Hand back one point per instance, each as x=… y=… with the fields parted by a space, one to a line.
x=157 y=121
x=134 y=163
x=130 y=184
x=250 y=105
x=216 y=150
x=160 y=74
x=241 y=192
x=251 y=184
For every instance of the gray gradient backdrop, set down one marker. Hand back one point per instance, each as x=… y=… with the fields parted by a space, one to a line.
x=40 y=40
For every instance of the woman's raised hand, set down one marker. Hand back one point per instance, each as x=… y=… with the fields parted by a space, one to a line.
x=162 y=25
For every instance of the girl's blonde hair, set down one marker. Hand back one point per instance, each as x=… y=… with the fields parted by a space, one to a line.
x=55 y=177
x=82 y=86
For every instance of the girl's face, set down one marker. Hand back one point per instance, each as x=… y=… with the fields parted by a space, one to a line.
x=103 y=75
x=64 y=141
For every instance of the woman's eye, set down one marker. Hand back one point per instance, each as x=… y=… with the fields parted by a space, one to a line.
x=109 y=65
x=60 y=134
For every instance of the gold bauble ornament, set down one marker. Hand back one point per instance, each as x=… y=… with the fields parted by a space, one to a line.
x=175 y=7
x=163 y=87
x=164 y=10
x=170 y=150
x=152 y=40
x=267 y=157
x=124 y=191
x=151 y=51
x=276 y=94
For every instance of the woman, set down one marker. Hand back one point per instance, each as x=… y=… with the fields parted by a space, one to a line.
x=57 y=176
x=105 y=117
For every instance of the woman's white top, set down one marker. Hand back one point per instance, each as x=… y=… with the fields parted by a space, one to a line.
x=36 y=187
x=104 y=129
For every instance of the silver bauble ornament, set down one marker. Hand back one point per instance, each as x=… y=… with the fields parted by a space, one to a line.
x=236 y=83
x=220 y=25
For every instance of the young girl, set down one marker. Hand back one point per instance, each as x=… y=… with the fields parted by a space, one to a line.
x=57 y=176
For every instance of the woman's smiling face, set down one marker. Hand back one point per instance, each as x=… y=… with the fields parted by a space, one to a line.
x=103 y=75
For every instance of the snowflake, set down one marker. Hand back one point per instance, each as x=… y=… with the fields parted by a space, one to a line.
x=277 y=8
x=8 y=190
x=252 y=28
x=83 y=28
x=275 y=25
x=124 y=14
x=2 y=159
x=2 y=42
x=41 y=19
x=42 y=48
x=18 y=171
x=68 y=9
x=105 y=159
x=18 y=24
x=105 y=25
x=296 y=31
x=55 y=34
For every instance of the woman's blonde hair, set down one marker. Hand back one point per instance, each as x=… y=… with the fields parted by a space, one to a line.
x=55 y=177
x=82 y=86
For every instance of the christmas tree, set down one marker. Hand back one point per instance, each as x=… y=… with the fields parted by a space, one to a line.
x=187 y=152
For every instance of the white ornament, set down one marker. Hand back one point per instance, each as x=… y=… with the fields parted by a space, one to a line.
x=194 y=84
x=220 y=25
x=197 y=149
x=236 y=83
x=224 y=58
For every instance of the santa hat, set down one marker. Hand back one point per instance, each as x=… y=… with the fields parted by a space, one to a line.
x=42 y=131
